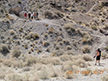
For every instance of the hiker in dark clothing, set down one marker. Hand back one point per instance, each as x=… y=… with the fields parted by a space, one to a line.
x=29 y=15
x=98 y=55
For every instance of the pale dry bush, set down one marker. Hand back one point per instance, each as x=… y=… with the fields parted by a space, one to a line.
x=87 y=72
x=33 y=36
x=67 y=66
x=105 y=77
x=12 y=63
x=68 y=25
x=38 y=66
x=54 y=72
x=35 y=77
x=45 y=60
x=4 y=49
x=2 y=74
x=17 y=63
x=44 y=74
x=12 y=32
x=65 y=57
x=69 y=76
x=104 y=55
x=56 y=61
x=15 y=77
x=86 y=49
x=30 y=60
x=80 y=63
x=52 y=60
x=16 y=52
x=7 y=62
x=87 y=57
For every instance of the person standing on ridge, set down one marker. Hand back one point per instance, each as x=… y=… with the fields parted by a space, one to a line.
x=98 y=55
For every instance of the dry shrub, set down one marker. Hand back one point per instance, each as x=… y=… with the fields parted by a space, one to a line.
x=68 y=76
x=80 y=63
x=54 y=73
x=104 y=55
x=16 y=52
x=68 y=47
x=87 y=57
x=87 y=40
x=66 y=41
x=58 y=52
x=35 y=77
x=4 y=49
x=15 y=10
x=12 y=32
x=18 y=63
x=86 y=71
x=86 y=49
x=7 y=62
x=94 y=27
x=56 y=61
x=106 y=48
x=59 y=38
x=48 y=14
x=44 y=74
x=51 y=30
x=48 y=60
x=67 y=66
x=69 y=28
x=26 y=69
x=38 y=66
x=35 y=36
x=65 y=57
x=31 y=35
x=19 y=1
x=46 y=44
x=15 y=77
x=105 y=77
x=2 y=74
x=30 y=60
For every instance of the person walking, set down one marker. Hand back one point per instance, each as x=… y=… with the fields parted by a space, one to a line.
x=25 y=15
x=98 y=55
x=35 y=15
x=29 y=15
x=32 y=16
